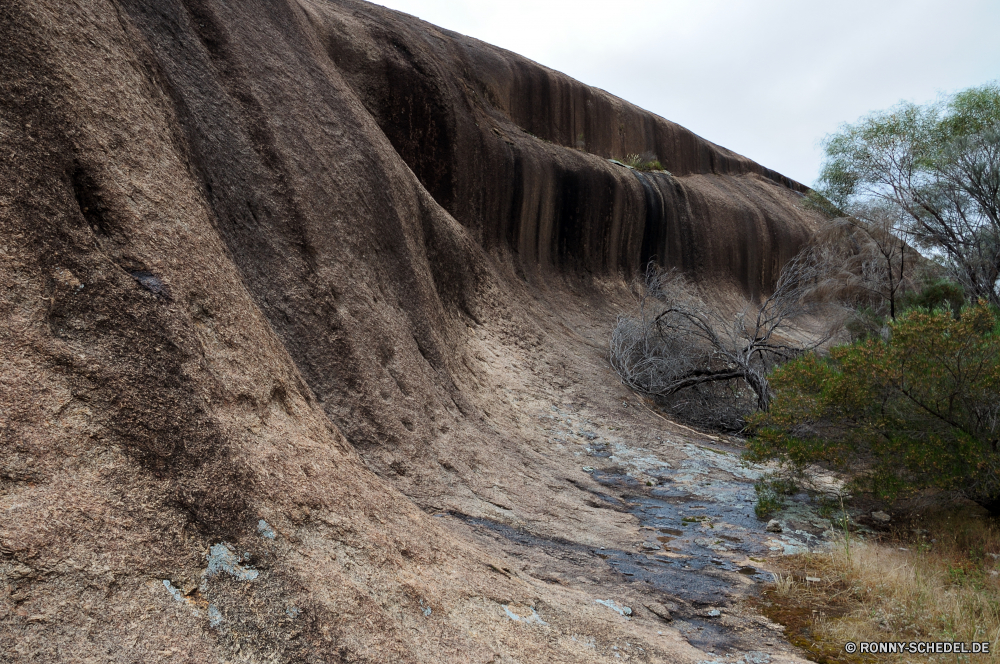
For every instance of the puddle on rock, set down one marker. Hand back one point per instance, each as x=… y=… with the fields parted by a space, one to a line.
x=709 y=540
x=703 y=508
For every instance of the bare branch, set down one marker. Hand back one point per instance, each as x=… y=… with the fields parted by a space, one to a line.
x=679 y=341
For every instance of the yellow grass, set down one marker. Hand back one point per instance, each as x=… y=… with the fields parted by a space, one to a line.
x=938 y=585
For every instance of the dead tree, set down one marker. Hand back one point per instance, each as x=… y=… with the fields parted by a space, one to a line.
x=679 y=341
x=886 y=275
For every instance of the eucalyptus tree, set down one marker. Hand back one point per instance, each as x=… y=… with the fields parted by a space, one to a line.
x=934 y=171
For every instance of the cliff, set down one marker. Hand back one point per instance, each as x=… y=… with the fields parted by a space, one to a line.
x=265 y=266
x=486 y=132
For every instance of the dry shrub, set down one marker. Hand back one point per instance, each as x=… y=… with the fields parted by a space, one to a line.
x=707 y=363
x=722 y=407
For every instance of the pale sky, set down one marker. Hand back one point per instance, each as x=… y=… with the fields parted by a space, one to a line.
x=767 y=79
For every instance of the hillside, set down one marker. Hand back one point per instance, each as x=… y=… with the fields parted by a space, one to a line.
x=286 y=287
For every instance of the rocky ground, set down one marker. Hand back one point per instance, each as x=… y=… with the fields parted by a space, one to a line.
x=303 y=310
x=648 y=520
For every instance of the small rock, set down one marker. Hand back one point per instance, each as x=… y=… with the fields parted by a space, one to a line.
x=19 y=571
x=67 y=278
x=265 y=530
x=659 y=611
x=588 y=469
x=614 y=606
x=152 y=283
x=881 y=516
x=773 y=526
x=712 y=613
x=519 y=613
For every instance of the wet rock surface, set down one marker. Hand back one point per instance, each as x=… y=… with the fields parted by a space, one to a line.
x=702 y=549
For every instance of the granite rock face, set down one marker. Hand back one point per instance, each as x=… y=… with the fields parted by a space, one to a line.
x=519 y=154
x=253 y=257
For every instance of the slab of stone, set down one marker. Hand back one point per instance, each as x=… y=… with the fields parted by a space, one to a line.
x=660 y=611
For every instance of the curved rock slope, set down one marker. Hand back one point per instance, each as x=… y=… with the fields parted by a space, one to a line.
x=240 y=243
x=486 y=132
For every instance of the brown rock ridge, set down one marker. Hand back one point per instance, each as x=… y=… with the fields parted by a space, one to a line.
x=241 y=243
x=483 y=129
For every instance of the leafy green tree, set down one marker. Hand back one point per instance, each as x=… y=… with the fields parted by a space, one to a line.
x=919 y=409
x=934 y=172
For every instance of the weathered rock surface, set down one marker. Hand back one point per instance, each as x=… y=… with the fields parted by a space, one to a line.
x=660 y=611
x=283 y=263
x=487 y=133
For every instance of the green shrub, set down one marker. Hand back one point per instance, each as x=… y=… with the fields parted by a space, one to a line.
x=768 y=502
x=643 y=162
x=937 y=294
x=918 y=409
x=771 y=491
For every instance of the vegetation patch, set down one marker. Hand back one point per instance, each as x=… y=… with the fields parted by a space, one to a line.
x=771 y=493
x=642 y=162
x=698 y=518
x=932 y=578
x=801 y=610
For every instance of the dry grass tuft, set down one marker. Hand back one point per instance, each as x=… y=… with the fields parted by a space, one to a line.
x=937 y=582
x=783 y=584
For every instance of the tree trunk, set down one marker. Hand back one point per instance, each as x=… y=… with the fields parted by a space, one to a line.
x=758 y=383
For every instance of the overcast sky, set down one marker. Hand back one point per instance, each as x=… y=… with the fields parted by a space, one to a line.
x=767 y=78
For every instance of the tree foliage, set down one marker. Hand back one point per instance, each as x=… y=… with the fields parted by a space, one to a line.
x=871 y=268
x=933 y=174
x=916 y=410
